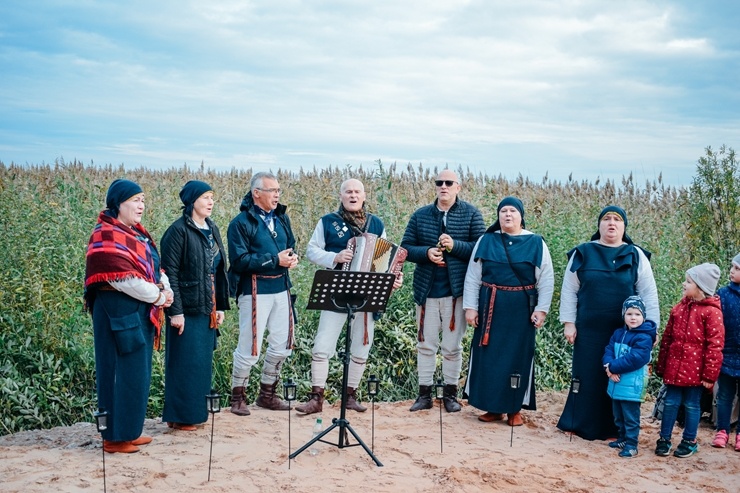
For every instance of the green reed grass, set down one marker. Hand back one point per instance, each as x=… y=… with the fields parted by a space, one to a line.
x=47 y=373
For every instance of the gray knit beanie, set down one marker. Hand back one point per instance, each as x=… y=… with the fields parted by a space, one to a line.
x=705 y=276
x=736 y=260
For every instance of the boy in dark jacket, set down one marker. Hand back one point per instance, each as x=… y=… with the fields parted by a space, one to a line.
x=729 y=374
x=625 y=362
x=690 y=356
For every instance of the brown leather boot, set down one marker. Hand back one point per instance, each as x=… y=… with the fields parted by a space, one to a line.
x=424 y=401
x=352 y=401
x=269 y=399
x=315 y=402
x=239 y=402
x=450 y=399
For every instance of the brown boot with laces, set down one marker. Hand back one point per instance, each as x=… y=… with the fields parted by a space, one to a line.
x=315 y=402
x=352 y=401
x=239 y=402
x=269 y=399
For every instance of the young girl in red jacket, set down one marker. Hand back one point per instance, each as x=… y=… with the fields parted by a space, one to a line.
x=690 y=356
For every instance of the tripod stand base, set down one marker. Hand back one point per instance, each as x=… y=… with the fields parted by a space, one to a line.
x=343 y=442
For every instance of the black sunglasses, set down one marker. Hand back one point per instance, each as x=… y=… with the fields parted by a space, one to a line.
x=449 y=183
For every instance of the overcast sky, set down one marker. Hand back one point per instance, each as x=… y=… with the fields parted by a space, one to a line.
x=596 y=89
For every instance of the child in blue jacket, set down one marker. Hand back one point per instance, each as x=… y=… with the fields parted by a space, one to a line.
x=625 y=362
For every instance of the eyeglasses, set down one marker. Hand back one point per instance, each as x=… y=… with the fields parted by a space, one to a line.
x=449 y=183
x=270 y=190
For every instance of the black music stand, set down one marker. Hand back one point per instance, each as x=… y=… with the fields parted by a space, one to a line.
x=347 y=292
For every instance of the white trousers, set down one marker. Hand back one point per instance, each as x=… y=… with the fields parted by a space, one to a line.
x=437 y=317
x=273 y=315
x=325 y=346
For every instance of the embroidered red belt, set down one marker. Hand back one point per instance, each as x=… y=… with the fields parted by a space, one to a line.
x=291 y=322
x=489 y=311
x=422 y=315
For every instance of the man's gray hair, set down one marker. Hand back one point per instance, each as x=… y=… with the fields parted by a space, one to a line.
x=258 y=178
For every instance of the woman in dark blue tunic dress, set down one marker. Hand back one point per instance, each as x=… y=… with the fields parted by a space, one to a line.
x=125 y=291
x=508 y=290
x=599 y=276
x=194 y=258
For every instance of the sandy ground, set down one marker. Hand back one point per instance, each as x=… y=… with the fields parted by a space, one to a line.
x=250 y=454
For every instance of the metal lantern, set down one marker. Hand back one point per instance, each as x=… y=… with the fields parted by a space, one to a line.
x=372 y=386
x=515 y=380
x=213 y=402
x=439 y=388
x=575 y=385
x=101 y=419
x=289 y=390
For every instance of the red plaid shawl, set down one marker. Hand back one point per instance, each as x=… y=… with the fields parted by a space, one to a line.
x=115 y=253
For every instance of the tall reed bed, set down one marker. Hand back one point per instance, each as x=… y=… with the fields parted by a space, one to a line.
x=47 y=375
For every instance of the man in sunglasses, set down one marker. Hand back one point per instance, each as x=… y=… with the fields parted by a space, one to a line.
x=261 y=244
x=440 y=238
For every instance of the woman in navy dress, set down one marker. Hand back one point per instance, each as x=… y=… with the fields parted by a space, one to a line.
x=508 y=290
x=126 y=291
x=599 y=276
x=194 y=258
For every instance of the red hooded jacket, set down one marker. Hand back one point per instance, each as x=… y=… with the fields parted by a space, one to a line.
x=691 y=346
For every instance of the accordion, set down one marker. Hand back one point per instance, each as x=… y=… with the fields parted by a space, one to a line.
x=375 y=254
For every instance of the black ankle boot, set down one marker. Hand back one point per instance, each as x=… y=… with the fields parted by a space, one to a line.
x=450 y=399
x=424 y=401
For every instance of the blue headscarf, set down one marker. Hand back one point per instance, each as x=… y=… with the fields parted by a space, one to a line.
x=512 y=201
x=190 y=193
x=119 y=192
x=616 y=210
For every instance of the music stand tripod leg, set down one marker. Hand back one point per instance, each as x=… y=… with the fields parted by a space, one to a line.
x=361 y=287
x=343 y=423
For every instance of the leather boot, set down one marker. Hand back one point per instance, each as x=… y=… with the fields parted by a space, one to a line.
x=450 y=399
x=315 y=402
x=269 y=399
x=239 y=402
x=424 y=401
x=352 y=401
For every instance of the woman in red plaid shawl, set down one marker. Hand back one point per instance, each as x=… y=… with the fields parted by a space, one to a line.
x=126 y=292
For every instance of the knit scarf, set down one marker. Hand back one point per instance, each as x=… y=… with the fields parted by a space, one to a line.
x=117 y=252
x=355 y=220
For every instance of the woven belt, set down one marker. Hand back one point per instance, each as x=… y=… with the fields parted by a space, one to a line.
x=291 y=322
x=489 y=311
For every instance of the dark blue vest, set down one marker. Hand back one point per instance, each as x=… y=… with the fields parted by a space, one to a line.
x=337 y=233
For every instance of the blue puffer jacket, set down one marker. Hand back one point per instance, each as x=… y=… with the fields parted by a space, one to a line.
x=730 y=299
x=627 y=355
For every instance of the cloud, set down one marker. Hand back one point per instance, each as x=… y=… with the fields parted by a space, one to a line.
x=575 y=86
